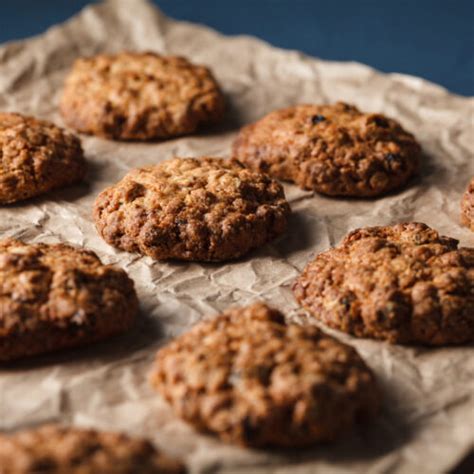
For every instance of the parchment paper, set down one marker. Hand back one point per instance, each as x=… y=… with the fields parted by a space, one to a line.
x=427 y=422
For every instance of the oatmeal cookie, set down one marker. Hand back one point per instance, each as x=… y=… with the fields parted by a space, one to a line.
x=36 y=156
x=403 y=283
x=332 y=149
x=201 y=209
x=252 y=379
x=467 y=206
x=52 y=449
x=57 y=296
x=139 y=96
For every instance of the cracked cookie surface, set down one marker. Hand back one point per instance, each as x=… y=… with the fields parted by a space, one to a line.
x=332 y=149
x=201 y=209
x=467 y=206
x=403 y=283
x=52 y=449
x=36 y=156
x=140 y=96
x=252 y=379
x=56 y=296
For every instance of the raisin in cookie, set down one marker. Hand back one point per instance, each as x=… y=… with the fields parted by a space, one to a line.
x=52 y=449
x=467 y=206
x=36 y=156
x=139 y=96
x=403 y=283
x=57 y=296
x=202 y=209
x=252 y=379
x=333 y=149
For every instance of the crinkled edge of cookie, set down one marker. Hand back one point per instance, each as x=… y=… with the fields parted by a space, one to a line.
x=345 y=314
x=289 y=419
x=184 y=240
x=22 y=453
x=54 y=333
x=467 y=206
x=68 y=170
x=153 y=123
x=263 y=157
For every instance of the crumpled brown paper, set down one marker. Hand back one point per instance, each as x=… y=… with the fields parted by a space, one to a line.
x=427 y=422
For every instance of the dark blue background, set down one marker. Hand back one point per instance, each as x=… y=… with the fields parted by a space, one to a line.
x=433 y=39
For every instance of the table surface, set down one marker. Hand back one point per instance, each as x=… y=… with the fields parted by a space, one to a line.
x=432 y=39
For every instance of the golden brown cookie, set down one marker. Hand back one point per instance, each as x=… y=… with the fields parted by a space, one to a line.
x=467 y=206
x=52 y=449
x=403 y=283
x=57 y=296
x=35 y=157
x=252 y=379
x=140 y=96
x=201 y=209
x=332 y=149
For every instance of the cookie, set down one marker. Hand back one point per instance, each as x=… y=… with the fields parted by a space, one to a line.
x=252 y=379
x=36 y=156
x=56 y=296
x=467 y=206
x=52 y=449
x=403 y=283
x=332 y=149
x=199 y=209
x=139 y=96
